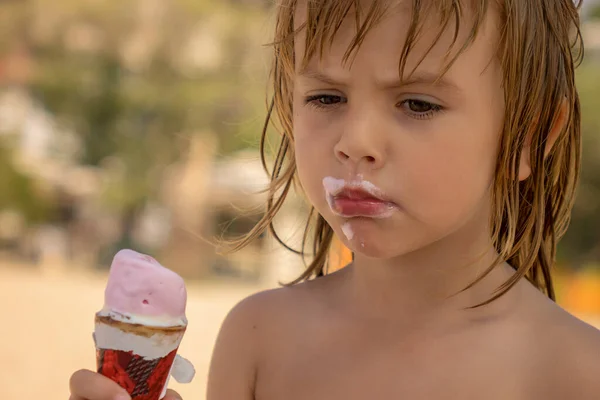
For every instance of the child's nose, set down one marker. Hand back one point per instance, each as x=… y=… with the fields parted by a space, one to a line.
x=360 y=144
x=353 y=159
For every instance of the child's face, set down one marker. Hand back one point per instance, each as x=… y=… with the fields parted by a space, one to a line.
x=431 y=148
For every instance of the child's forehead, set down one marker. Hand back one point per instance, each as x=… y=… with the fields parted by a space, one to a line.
x=337 y=29
x=350 y=7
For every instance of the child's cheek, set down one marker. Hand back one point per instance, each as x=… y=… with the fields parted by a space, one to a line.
x=311 y=162
x=445 y=190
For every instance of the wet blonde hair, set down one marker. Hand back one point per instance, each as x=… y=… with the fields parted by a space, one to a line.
x=539 y=47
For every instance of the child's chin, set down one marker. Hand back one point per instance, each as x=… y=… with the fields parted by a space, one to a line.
x=373 y=249
x=382 y=247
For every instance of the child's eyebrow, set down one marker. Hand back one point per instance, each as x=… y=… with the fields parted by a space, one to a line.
x=418 y=78
x=320 y=76
x=423 y=78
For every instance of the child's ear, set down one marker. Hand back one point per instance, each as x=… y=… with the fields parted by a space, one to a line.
x=557 y=127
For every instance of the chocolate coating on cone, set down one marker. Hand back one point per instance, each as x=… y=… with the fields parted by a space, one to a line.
x=138 y=329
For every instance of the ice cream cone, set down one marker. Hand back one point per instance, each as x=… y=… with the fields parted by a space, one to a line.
x=140 y=326
x=138 y=357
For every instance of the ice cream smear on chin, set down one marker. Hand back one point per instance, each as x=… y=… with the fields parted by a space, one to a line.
x=141 y=291
x=348 y=232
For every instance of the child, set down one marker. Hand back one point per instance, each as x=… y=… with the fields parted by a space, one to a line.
x=440 y=140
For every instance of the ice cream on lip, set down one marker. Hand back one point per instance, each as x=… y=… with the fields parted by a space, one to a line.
x=140 y=290
x=334 y=186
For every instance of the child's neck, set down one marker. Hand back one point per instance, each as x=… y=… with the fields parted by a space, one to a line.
x=425 y=283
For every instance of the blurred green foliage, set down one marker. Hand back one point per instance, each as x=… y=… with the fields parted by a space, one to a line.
x=18 y=192
x=141 y=116
x=581 y=244
x=134 y=118
x=595 y=12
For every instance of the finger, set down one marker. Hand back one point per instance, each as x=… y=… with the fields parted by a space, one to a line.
x=74 y=397
x=172 y=395
x=88 y=385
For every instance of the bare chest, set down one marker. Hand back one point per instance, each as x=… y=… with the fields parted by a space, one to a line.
x=357 y=367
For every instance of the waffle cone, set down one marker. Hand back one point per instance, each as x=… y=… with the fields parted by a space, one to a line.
x=138 y=357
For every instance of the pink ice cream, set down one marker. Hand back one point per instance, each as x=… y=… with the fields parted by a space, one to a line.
x=141 y=290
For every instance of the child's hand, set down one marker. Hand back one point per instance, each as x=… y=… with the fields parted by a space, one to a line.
x=88 y=385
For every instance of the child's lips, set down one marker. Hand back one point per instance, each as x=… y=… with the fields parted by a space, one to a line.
x=359 y=203
x=357 y=194
x=357 y=198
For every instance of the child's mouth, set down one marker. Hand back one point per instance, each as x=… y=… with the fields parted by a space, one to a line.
x=357 y=199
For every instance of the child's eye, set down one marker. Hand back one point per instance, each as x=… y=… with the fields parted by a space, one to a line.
x=324 y=100
x=420 y=109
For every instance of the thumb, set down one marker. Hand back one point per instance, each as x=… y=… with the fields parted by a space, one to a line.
x=172 y=395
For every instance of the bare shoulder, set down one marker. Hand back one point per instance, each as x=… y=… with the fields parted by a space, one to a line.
x=291 y=303
x=253 y=329
x=576 y=337
x=233 y=364
x=573 y=361
x=270 y=312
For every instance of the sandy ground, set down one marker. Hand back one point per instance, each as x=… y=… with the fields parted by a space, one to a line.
x=47 y=323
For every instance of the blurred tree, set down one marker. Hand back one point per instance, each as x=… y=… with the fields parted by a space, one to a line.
x=135 y=79
x=18 y=192
x=595 y=12
x=581 y=245
x=192 y=77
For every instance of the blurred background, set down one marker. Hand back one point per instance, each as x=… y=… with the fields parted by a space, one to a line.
x=135 y=124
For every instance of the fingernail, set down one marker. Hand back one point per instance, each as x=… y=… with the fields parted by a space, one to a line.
x=122 y=396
